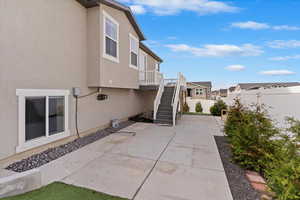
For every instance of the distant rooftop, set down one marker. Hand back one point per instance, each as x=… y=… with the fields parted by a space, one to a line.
x=252 y=86
x=203 y=83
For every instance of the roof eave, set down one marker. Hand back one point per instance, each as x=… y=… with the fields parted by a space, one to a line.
x=150 y=52
x=116 y=5
x=129 y=14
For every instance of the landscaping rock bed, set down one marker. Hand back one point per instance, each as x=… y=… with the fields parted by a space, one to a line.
x=49 y=155
x=241 y=188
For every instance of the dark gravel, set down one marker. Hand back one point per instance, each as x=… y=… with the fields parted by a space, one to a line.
x=49 y=155
x=239 y=184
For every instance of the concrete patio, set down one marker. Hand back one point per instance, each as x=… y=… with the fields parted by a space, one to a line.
x=153 y=163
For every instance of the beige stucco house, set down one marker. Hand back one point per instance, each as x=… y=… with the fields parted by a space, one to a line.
x=199 y=90
x=49 y=47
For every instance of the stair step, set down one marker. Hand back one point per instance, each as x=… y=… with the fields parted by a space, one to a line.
x=163 y=121
x=164 y=118
x=165 y=112
x=166 y=103
x=165 y=108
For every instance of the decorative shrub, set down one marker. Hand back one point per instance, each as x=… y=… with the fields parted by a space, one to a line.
x=217 y=108
x=258 y=145
x=250 y=133
x=283 y=174
x=186 y=107
x=199 y=108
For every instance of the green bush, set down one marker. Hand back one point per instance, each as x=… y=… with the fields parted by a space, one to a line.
x=186 y=107
x=217 y=108
x=199 y=108
x=250 y=132
x=258 y=145
x=283 y=174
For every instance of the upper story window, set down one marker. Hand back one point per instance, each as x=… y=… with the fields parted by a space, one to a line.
x=111 y=38
x=157 y=66
x=134 y=51
x=199 y=91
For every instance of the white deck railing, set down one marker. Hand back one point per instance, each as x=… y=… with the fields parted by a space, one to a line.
x=150 y=77
x=157 y=100
x=181 y=82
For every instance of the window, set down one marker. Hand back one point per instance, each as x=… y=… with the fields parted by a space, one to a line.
x=143 y=65
x=157 y=66
x=134 y=51
x=43 y=117
x=111 y=38
x=199 y=91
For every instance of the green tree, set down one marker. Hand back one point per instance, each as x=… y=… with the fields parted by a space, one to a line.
x=199 y=108
x=217 y=108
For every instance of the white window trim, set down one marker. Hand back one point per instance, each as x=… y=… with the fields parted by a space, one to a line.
x=24 y=145
x=107 y=56
x=130 y=50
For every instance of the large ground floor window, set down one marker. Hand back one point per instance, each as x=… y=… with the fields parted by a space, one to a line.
x=43 y=117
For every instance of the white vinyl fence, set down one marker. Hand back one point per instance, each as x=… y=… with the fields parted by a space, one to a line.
x=280 y=102
x=206 y=104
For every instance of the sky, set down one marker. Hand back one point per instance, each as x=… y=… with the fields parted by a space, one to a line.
x=226 y=42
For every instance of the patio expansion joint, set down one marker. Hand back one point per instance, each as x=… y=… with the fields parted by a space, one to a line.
x=155 y=164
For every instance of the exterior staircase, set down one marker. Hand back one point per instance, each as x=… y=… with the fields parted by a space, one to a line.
x=165 y=109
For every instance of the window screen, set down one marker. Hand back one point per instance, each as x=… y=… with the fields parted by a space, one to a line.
x=111 y=37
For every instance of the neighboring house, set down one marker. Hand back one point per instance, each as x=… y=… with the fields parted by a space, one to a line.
x=223 y=93
x=231 y=89
x=217 y=94
x=199 y=90
x=255 y=86
x=49 y=47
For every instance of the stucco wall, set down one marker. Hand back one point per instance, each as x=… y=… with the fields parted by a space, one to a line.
x=280 y=102
x=114 y=74
x=151 y=62
x=43 y=45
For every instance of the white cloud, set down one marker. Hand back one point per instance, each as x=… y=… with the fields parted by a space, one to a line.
x=250 y=25
x=259 y=26
x=283 y=58
x=171 y=7
x=138 y=9
x=286 y=28
x=277 y=72
x=235 y=67
x=213 y=50
x=283 y=44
